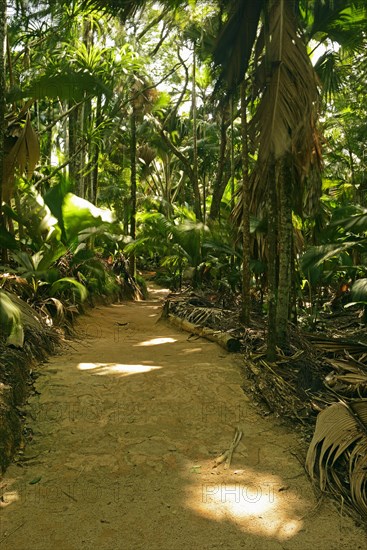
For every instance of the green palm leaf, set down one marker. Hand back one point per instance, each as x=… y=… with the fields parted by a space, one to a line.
x=65 y=84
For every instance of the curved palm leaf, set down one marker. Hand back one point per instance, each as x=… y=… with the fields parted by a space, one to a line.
x=11 y=320
x=23 y=155
x=236 y=40
x=355 y=222
x=285 y=118
x=69 y=283
x=317 y=255
x=337 y=456
x=123 y=8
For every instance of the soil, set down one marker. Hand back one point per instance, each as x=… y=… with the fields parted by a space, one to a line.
x=124 y=433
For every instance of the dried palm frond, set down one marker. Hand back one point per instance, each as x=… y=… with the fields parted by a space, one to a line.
x=201 y=315
x=285 y=118
x=24 y=154
x=337 y=456
x=269 y=383
x=337 y=345
x=349 y=377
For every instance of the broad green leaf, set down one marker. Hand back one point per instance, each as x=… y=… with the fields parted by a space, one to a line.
x=359 y=290
x=50 y=255
x=10 y=320
x=317 y=255
x=79 y=214
x=54 y=199
x=69 y=283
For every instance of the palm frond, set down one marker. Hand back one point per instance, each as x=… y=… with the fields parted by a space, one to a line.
x=317 y=255
x=330 y=72
x=339 y=22
x=123 y=8
x=348 y=378
x=64 y=83
x=355 y=222
x=236 y=41
x=337 y=456
x=285 y=119
x=24 y=154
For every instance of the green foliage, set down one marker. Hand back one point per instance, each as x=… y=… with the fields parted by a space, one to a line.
x=67 y=284
x=7 y=240
x=77 y=68
x=10 y=320
x=181 y=243
x=66 y=84
x=359 y=291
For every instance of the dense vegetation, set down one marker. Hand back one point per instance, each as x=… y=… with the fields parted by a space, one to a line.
x=220 y=143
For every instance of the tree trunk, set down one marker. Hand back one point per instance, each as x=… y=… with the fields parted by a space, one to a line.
x=72 y=143
x=272 y=264
x=224 y=339
x=47 y=146
x=296 y=284
x=133 y=187
x=246 y=273
x=285 y=247
x=2 y=104
x=80 y=161
x=195 y=182
x=220 y=182
x=95 y=158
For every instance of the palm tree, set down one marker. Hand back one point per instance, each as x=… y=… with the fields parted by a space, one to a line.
x=283 y=127
x=275 y=32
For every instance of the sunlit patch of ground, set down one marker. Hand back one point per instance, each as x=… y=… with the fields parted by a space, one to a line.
x=156 y=342
x=8 y=496
x=103 y=369
x=158 y=293
x=254 y=501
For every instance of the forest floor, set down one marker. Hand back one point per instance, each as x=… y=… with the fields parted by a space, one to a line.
x=124 y=433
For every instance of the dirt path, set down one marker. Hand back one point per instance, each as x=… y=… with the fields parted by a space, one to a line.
x=126 y=429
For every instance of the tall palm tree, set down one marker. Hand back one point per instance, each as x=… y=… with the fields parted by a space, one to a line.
x=283 y=127
x=274 y=34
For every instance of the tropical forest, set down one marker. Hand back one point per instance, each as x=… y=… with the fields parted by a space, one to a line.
x=183 y=274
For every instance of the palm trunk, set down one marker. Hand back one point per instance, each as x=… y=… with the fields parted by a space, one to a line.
x=285 y=247
x=272 y=264
x=2 y=105
x=246 y=274
x=295 y=286
x=133 y=187
x=80 y=160
x=96 y=153
x=195 y=183
x=220 y=182
x=72 y=143
x=47 y=147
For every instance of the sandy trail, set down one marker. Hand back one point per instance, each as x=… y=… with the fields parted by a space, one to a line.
x=127 y=425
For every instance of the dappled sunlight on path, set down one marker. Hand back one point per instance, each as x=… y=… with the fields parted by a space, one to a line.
x=124 y=435
x=115 y=368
